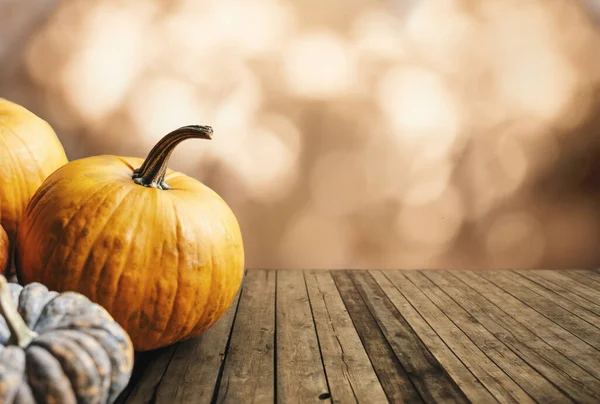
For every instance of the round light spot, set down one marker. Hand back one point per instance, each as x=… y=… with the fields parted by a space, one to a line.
x=318 y=64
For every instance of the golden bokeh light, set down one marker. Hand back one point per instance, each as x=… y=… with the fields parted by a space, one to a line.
x=163 y=103
x=377 y=35
x=515 y=240
x=450 y=133
x=435 y=223
x=318 y=65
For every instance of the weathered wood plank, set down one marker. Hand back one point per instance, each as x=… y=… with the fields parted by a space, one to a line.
x=506 y=336
x=349 y=371
x=560 y=339
x=560 y=370
x=534 y=276
x=154 y=365
x=557 y=277
x=393 y=378
x=588 y=281
x=141 y=361
x=568 y=305
x=497 y=382
x=469 y=384
x=536 y=385
x=248 y=373
x=429 y=378
x=300 y=372
x=547 y=307
x=192 y=373
x=591 y=274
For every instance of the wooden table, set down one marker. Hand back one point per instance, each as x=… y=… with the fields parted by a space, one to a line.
x=390 y=336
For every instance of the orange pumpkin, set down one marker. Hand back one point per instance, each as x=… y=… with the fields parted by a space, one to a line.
x=4 y=250
x=29 y=152
x=159 y=250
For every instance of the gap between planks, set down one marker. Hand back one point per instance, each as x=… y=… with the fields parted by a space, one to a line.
x=571 y=379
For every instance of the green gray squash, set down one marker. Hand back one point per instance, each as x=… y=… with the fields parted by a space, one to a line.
x=59 y=348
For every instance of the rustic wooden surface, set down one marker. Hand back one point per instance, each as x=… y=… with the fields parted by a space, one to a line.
x=390 y=336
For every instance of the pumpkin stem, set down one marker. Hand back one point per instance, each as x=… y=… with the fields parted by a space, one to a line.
x=19 y=333
x=154 y=168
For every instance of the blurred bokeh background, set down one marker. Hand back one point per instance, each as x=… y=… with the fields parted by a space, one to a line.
x=348 y=134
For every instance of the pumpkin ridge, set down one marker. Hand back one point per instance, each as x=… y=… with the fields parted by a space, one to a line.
x=46 y=378
x=12 y=374
x=76 y=364
x=17 y=197
x=24 y=393
x=155 y=308
x=74 y=312
x=42 y=272
x=93 y=244
x=188 y=328
x=127 y=256
x=103 y=267
x=35 y=325
x=31 y=313
x=178 y=250
x=96 y=353
x=37 y=166
x=112 y=344
x=60 y=286
x=73 y=306
x=212 y=289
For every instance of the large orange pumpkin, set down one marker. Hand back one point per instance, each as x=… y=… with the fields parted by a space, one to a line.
x=29 y=152
x=159 y=250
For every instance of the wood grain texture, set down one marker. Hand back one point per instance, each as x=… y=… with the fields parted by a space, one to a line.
x=154 y=366
x=575 y=309
x=560 y=339
x=393 y=378
x=536 y=385
x=349 y=371
x=300 y=372
x=193 y=371
x=545 y=306
x=584 y=286
x=390 y=336
x=557 y=368
x=502 y=387
x=534 y=276
x=589 y=274
x=587 y=278
x=469 y=384
x=249 y=371
x=425 y=372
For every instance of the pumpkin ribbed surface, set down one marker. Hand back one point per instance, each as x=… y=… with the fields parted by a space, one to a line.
x=165 y=263
x=29 y=152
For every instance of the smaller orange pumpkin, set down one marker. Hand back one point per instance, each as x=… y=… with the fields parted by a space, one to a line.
x=4 y=250
x=29 y=152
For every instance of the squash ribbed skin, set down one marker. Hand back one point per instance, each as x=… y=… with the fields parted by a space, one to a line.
x=79 y=355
